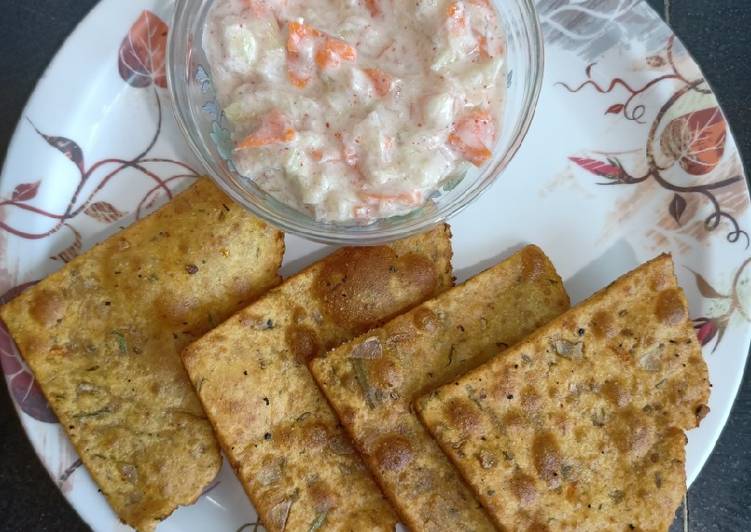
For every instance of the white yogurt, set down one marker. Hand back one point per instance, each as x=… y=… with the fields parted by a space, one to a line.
x=357 y=109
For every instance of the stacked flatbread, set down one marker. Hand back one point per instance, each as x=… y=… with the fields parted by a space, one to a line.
x=488 y=406
x=372 y=380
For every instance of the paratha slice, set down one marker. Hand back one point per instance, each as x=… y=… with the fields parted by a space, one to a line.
x=103 y=337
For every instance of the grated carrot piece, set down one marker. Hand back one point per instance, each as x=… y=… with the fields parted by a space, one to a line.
x=329 y=52
x=482 y=46
x=334 y=52
x=297 y=70
x=457 y=19
x=297 y=32
x=382 y=82
x=298 y=81
x=274 y=129
x=472 y=135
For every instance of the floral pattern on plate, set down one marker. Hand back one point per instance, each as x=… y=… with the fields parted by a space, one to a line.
x=637 y=159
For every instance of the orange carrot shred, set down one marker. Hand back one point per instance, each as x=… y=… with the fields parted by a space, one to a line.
x=482 y=45
x=472 y=135
x=334 y=51
x=475 y=155
x=297 y=32
x=456 y=17
x=297 y=81
x=329 y=52
x=274 y=129
x=382 y=82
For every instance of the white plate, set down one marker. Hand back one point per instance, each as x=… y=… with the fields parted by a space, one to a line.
x=628 y=156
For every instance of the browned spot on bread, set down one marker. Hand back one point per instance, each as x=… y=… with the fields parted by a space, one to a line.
x=47 y=307
x=571 y=492
x=385 y=373
x=671 y=307
x=547 y=458
x=534 y=263
x=505 y=385
x=463 y=415
x=538 y=527
x=362 y=286
x=513 y=418
x=299 y=314
x=393 y=453
x=660 y=281
x=523 y=488
x=615 y=393
x=603 y=325
x=303 y=342
x=426 y=320
x=701 y=412
x=630 y=432
x=347 y=415
x=282 y=435
x=323 y=497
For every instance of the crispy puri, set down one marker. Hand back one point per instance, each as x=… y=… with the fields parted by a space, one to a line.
x=372 y=380
x=283 y=440
x=580 y=426
x=103 y=337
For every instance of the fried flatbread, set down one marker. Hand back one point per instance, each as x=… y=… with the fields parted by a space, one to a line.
x=103 y=337
x=283 y=440
x=371 y=381
x=580 y=426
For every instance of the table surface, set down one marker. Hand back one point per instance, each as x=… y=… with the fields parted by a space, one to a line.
x=715 y=32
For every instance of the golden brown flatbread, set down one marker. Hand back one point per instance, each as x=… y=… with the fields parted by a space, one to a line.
x=103 y=337
x=286 y=445
x=371 y=381
x=580 y=426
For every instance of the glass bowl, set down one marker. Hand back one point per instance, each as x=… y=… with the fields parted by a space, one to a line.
x=206 y=130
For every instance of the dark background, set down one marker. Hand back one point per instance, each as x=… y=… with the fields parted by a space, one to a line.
x=715 y=31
